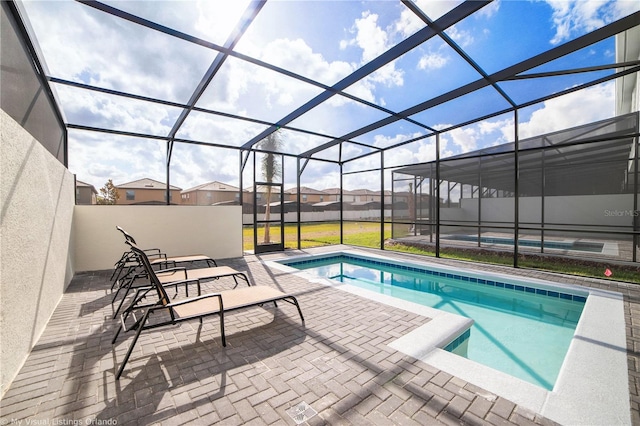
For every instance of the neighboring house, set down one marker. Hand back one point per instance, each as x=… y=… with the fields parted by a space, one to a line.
x=364 y=195
x=333 y=194
x=147 y=191
x=367 y=195
x=307 y=195
x=85 y=193
x=261 y=196
x=211 y=193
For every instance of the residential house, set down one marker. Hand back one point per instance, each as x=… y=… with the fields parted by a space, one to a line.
x=211 y=193
x=85 y=193
x=307 y=195
x=261 y=195
x=333 y=194
x=147 y=191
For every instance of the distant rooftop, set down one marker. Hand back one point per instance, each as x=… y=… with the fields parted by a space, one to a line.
x=146 y=183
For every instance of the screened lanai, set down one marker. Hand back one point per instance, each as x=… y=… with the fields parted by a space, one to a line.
x=504 y=133
x=577 y=187
x=194 y=92
x=338 y=96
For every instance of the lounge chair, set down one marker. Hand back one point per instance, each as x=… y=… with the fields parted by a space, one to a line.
x=127 y=264
x=173 y=260
x=174 y=312
x=172 y=276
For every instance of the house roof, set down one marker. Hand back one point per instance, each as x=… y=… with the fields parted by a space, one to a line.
x=146 y=183
x=86 y=185
x=305 y=190
x=325 y=203
x=213 y=186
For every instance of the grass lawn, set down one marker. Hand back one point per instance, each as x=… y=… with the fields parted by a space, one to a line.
x=364 y=234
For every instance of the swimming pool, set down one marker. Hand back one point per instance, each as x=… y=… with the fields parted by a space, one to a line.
x=521 y=330
x=592 y=387
x=584 y=246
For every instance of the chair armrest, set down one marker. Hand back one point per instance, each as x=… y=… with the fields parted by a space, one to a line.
x=194 y=299
x=155 y=252
x=177 y=268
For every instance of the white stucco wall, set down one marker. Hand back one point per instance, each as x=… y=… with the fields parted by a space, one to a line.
x=37 y=200
x=215 y=231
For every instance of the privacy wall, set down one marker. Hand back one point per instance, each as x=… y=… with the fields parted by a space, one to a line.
x=37 y=196
x=215 y=231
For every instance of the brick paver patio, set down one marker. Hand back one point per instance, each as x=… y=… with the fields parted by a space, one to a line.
x=338 y=362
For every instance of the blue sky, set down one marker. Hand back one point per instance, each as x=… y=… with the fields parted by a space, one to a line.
x=320 y=40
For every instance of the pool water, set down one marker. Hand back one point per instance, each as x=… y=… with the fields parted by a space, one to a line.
x=519 y=330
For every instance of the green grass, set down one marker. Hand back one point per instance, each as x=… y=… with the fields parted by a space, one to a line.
x=367 y=234
x=363 y=234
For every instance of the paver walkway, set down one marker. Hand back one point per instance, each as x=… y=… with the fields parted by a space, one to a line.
x=338 y=363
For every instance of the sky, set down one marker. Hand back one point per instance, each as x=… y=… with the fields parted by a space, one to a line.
x=324 y=41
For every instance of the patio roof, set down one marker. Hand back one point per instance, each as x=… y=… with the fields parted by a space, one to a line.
x=572 y=149
x=334 y=110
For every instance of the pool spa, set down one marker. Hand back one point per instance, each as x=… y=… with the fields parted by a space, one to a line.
x=574 y=246
x=594 y=247
x=540 y=344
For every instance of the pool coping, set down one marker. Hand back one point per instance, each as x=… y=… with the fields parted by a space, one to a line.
x=592 y=387
x=609 y=248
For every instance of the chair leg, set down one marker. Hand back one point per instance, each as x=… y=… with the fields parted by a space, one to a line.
x=135 y=340
x=295 y=302
x=122 y=283
x=224 y=339
x=115 y=314
x=115 y=281
x=113 y=299
x=117 y=333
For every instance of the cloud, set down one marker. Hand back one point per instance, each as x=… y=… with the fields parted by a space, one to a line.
x=194 y=165
x=490 y=10
x=432 y=61
x=464 y=138
x=79 y=52
x=574 y=17
x=581 y=107
x=244 y=89
x=216 y=19
x=435 y=9
x=461 y=37
x=408 y=23
x=373 y=40
x=577 y=108
x=296 y=55
x=97 y=157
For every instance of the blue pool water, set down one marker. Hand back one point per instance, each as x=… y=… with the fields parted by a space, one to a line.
x=521 y=330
